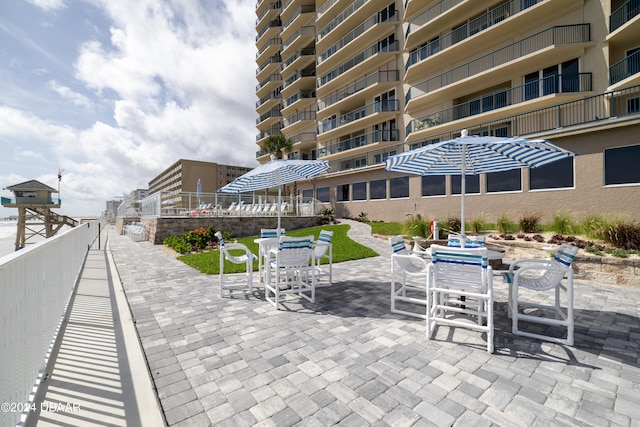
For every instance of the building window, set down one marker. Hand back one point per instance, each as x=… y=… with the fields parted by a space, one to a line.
x=621 y=165
x=378 y=189
x=399 y=187
x=343 y=192
x=553 y=175
x=504 y=181
x=360 y=191
x=471 y=183
x=433 y=185
x=323 y=194
x=307 y=194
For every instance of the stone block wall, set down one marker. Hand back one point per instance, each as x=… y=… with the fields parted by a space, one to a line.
x=160 y=228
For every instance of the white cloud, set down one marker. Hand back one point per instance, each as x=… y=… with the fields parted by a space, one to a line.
x=66 y=93
x=48 y=4
x=180 y=78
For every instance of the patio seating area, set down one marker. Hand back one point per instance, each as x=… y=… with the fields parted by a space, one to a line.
x=347 y=359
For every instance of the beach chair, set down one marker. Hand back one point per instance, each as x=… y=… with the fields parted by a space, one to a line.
x=460 y=290
x=291 y=270
x=408 y=279
x=322 y=249
x=244 y=284
x=543 y=275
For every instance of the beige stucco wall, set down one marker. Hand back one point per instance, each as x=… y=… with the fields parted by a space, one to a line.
x=589 y=196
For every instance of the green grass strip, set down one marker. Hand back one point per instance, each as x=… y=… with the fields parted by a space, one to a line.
x=344 y=249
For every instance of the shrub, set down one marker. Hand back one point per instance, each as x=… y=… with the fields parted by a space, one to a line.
x=417 y=226
x=529 y=222
x=563 y=224
x=595 y=227
x=363 y=217
x=451 y=225
x=505 y=225
x=178 y=244
x=623 y=234
x=477 y=224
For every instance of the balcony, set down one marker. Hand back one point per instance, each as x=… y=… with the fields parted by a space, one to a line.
x=365 y=140
x=356 y=12
x=263 y=8
x=270 y=48
x=271 y=29
x=302 y=16
x=301 y=38
x=377 y=108
x=271 y=116
x=625 y=68
x=572 y=84
x=482 y=23
x=270 y=66
x=268 y=102
x=268 y=84
x=376 y=50
x=300 y=59
x=374 y=20
x=411 y=7
x=624 y=14
x=299 y=96
x=297 y=119
x=270 y=12
x=509 y=59
x=378 y=80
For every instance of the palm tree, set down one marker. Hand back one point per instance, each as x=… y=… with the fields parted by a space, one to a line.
x=277 y=144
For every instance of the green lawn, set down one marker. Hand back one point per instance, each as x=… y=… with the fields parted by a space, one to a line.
x=344 y=249
x=386 y=228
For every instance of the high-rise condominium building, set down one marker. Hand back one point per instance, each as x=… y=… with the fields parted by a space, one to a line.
x=356 y=81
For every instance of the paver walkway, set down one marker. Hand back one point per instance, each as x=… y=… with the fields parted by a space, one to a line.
x=347 y=360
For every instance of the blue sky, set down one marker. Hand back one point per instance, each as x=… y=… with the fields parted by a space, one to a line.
x=115 y=91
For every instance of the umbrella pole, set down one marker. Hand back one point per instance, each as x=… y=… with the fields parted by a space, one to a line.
x=279 y=208
x=463 y=179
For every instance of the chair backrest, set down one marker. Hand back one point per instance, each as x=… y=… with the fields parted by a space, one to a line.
x=397 y=245
x=460 y=267
x=470 y=241
x=323 y=242
x=565 y=255
x=271 y=233
x=294 y=251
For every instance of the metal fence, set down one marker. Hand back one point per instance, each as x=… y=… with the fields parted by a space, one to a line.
x=188 y=204
x=36 y=284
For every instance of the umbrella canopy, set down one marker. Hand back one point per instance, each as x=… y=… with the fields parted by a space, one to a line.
x=276 y=173
x=471 y=155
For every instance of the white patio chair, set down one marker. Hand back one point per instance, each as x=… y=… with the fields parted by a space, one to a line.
x=245 y=283
x=542 y=275
x=291 y=270
x=324 y=249
x=408 y=278
x=460 y=290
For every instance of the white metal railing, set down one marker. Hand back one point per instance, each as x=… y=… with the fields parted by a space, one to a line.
x=36 y=284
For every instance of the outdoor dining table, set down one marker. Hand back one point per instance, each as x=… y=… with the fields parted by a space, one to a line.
x=265 y=244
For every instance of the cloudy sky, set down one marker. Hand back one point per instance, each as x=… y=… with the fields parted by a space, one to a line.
x=115 y=91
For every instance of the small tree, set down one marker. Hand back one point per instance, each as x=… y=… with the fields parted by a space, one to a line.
x=277 y=144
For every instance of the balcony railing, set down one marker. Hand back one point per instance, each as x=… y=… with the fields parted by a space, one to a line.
x=627 y=67
x=309 y=31
x=299 y=116
x=358 y=59
x=371 y=79
x=271 y=24
x=561 y=83
x=307 y=51
x=269 y=114
x=481 y=23
x=615 y=104
x=311 y=8
x=624 y=14
x=431 y=13
x=341 y=17
x=272 y=96
x=359 y=113
x=272 y=6
x=275 y=59
x=276 y=41
x=272 y=78
x=561 y=35
x=361 y=141
x=303 y=94
x=375 y=19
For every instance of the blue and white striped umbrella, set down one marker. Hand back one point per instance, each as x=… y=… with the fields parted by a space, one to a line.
x=275 y=174
x=472 y=155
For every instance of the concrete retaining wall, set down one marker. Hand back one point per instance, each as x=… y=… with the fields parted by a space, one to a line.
x=158 y=229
